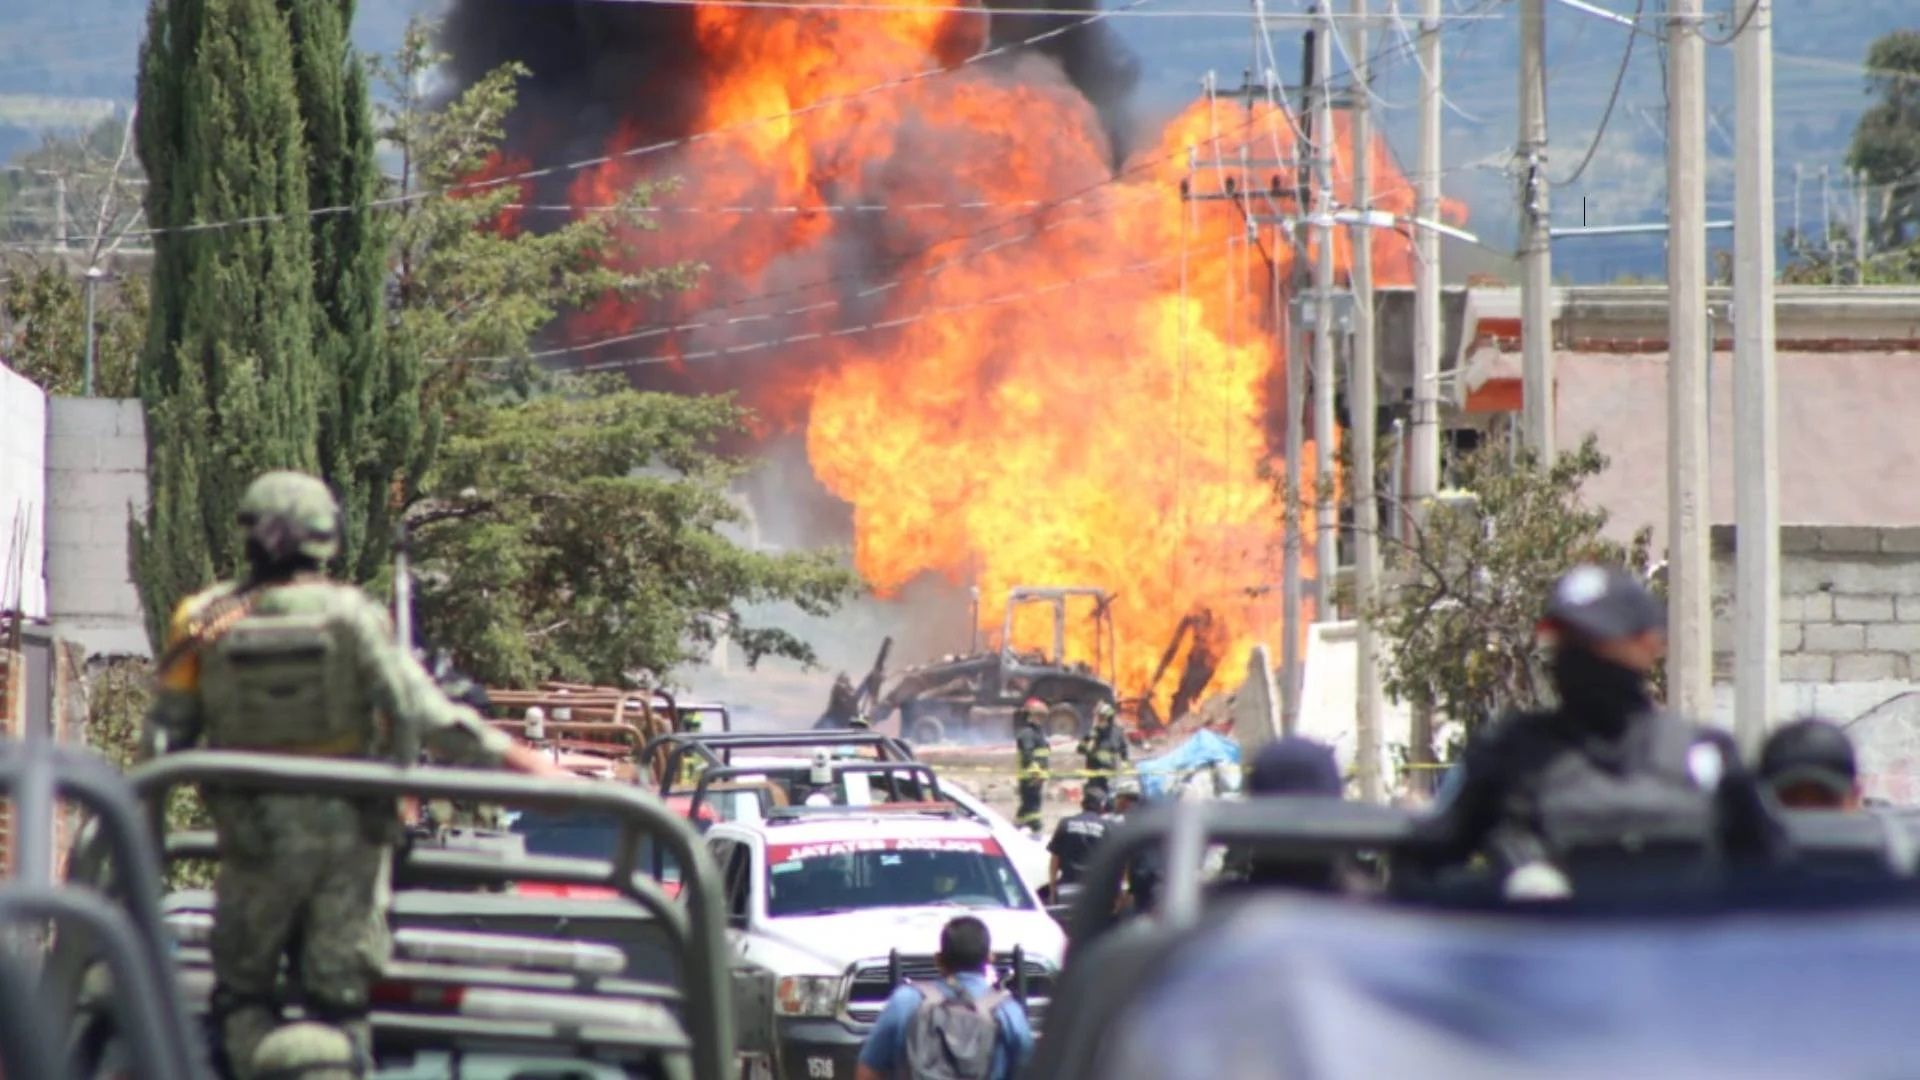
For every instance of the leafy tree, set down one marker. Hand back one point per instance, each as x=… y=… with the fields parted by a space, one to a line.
x=43 y=328
x=1886 y=141
x=1468 y=586
x=567 y=529
x=472 y=288
x=90 y=174
x=228 y=376
x=1885 y=155
x=580 y=535
x=370 y=416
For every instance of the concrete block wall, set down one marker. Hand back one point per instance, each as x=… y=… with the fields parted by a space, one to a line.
x=1849 y=640
x=97 y=477
x=23 y=495
x=1849 y=608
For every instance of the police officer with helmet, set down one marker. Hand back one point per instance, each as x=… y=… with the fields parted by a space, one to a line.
x=1074 y=840
x=284 y=661
x=1608 y=789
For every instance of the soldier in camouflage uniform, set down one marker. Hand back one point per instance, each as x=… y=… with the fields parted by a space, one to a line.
x=286 y=662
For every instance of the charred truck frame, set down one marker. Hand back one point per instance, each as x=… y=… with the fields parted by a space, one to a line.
x=947 y=696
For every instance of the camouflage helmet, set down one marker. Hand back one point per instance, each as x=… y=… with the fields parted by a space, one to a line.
x=306 y=1051
x=289 y=513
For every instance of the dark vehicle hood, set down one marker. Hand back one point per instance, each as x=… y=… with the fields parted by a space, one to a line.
x=1329 y=990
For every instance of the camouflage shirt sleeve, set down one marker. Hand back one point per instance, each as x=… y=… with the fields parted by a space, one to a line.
x=400 y=687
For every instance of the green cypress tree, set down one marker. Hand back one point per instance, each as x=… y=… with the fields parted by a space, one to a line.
x=370 y=412
x=227 y=377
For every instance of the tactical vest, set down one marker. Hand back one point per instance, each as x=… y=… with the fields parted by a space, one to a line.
x=286 y=684
x=1648 y=817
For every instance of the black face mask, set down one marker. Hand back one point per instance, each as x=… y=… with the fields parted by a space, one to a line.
x=1600 y=694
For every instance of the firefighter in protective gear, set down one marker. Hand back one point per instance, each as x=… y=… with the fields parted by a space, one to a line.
x=1104 y=748
x=285 y=661
x=692 y=764
x=1036 y=759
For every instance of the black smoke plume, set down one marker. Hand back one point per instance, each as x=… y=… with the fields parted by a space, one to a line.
x=596 y=65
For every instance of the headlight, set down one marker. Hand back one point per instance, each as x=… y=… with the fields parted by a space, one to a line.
x=807 y=995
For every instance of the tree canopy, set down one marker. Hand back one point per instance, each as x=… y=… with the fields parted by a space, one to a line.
x=1467 y=588
x=589 y=535
x=228 y=375
x=1886 y=141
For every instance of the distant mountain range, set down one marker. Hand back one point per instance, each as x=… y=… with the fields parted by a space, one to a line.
x=85 y=50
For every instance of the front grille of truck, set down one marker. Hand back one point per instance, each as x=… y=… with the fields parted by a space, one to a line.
x=868 y=989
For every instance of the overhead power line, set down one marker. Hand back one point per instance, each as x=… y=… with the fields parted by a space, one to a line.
x=711 y=316
x=920 y=315
x=1606 y=115
x=661 y=146
x=977 y=9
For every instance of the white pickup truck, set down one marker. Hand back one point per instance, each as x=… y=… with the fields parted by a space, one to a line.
x=827 y=908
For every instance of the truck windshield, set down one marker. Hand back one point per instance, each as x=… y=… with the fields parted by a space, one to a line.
x=812 y=879
x=586 y=836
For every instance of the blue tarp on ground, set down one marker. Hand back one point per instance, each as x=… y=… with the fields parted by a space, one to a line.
x=1201 y=750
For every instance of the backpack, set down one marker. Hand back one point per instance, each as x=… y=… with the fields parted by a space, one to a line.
x=952 y=1034
x=285 y=683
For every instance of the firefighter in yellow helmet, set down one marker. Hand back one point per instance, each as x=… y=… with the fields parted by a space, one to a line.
x=1036 y=759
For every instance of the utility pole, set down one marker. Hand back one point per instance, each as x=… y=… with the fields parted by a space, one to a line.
x=1360 y=424
x=1291 y=590
x=1799 y=238
x=1859 y=228
x=1536 y=256
x=60 y=225
x=1424 y=464
x=1756 y=456
x=1423 y=479
x=1689 y=586
x=1326 y=516
x=94 y=274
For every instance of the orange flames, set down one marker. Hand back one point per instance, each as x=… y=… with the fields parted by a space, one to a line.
x=1079 y=393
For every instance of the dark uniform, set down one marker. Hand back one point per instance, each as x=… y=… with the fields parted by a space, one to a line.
x=1608 y=782
x=1073 y=842
x=1105 y=750
x=1036 y=759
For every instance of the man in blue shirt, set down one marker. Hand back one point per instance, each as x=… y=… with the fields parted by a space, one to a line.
x=965 y=950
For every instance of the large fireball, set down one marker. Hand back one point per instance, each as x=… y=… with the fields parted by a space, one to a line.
x=1032 y=367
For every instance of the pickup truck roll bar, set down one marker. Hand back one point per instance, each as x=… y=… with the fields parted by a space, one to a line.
x=718 y=749
x=1281 y=826
x=1307 y=827
x=896 y=772
x=129 y=935
x=697 y=929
